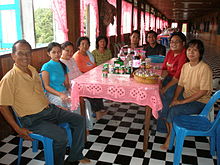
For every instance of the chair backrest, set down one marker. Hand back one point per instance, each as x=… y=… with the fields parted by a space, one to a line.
x=40 y=74
x=15 y=116
x=210 y=104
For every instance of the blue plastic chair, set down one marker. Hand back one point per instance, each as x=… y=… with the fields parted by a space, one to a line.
x=47 y=142
x=198 y=125
x=218 y=144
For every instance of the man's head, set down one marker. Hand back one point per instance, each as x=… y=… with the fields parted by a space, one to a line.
x=135 y=37
x=151 y=37
x=21 y=53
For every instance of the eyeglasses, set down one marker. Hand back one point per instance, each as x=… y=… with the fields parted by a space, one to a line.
x=175 y=42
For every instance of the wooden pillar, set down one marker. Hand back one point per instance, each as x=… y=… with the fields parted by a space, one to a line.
x=119 y=8
x=132 y=16
x=150 y=28
x=139 y=15
x=73 y=19
x=102 y=27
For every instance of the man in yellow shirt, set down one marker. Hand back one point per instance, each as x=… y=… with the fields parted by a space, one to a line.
x=21 y=88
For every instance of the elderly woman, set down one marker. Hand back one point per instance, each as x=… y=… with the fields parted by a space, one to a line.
x=85 y=62
x=172 y=66
x=101 y=53
x=196 y=84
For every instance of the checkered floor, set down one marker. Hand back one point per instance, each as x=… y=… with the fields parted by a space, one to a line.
x=117 y=139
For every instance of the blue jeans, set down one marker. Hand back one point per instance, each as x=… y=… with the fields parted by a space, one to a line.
x=191 y=108
x=166 y=99
x=45 y=123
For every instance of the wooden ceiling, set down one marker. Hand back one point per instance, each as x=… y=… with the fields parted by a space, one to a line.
x=180 y=10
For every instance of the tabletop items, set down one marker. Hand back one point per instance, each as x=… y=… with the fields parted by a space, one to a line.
x=143 y=70
x=146 y=76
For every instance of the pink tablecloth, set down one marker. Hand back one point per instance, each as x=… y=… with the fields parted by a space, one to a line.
x=120 y=89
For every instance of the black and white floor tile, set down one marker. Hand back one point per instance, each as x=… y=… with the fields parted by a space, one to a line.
x=118 y=139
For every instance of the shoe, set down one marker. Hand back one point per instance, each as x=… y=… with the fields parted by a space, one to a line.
x=85 y=161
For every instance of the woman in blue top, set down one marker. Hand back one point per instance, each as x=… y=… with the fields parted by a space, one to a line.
x=55 y=79
x=56 y=82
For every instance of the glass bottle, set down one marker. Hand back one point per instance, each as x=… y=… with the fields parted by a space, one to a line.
x=136 y=61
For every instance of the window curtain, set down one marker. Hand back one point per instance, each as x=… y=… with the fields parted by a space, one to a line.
x=142 y=31
x=111 y=29
x=161 y=24
x=147 y=20
x=126 y=17
x=157 y=23
x=83 y=5
x=59 y=10
x=152 y=22
x=135 y=18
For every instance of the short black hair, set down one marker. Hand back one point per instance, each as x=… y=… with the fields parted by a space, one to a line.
x=65 y=44
x=20 y=42
x=100 y=38
x=136 y=31
x=200 y=46
x=180 y=35
x=81 y=39
x=151 y=32
x=51 y=45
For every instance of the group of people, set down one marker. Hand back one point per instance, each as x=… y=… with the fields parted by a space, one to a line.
x=64 y=66
x=43 y=101
x=186 y=88
x=187 y=80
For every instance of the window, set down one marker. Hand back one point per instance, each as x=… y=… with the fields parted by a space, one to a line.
x=126 y=17
x=89 y=18
x=147 y=21
x=135 y=19
x=9 y=32
x=112 y=29
x=174 y=25
x=37 y=21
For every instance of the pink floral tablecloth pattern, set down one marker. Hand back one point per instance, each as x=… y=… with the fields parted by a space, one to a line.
x=115 y=88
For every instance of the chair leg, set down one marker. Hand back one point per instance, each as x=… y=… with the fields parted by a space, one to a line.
x=68 y=132
x=19 y=151
x=35 y=146
x=172 y=138
x=180 y=134
x=48 y=151
x=212 y=145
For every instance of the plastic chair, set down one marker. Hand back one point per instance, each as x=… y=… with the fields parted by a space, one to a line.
x=47 y=142
x=218 y=144
x=199 y=125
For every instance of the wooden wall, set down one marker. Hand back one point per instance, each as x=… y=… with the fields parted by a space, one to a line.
x=39 y=57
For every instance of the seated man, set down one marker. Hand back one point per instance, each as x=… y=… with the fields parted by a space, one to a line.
x=152 y=47
x=21 y=88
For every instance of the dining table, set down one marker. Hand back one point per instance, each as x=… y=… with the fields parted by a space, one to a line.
x=118 y=88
